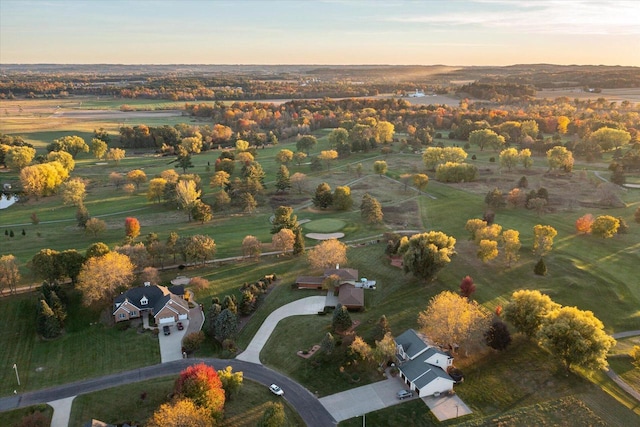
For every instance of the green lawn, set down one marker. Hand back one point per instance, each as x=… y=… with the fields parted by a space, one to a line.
x=325 y=225
x=87 y=349
x=243 y=410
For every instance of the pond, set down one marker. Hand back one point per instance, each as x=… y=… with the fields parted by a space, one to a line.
x=7 y=200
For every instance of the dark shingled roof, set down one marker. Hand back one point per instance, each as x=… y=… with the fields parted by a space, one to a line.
x=157 y=297
x=411 y=343
x=422 y=373
x=350 y=296
x=343 y=273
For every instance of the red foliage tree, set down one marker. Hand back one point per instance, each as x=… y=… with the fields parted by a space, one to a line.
x=132 y=227
x=201 y=384
x=467 y=287
x=583 y=224
x=498 y=310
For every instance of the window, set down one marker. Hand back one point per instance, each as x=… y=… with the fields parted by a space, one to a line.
x=144 y=301
x=134 y=313
x=122 y=316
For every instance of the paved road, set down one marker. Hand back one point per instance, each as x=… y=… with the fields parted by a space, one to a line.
x=305 y=403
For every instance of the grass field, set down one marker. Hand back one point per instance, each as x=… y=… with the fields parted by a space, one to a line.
x=13 y=418
x=243 y=410
x=324 y=225
x=590 y=273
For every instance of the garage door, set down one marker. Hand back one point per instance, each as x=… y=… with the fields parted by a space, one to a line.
x=165 y=320
x=183 y=316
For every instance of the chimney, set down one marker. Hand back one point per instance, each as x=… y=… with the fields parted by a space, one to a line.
x=337 y=266
x=147 y=283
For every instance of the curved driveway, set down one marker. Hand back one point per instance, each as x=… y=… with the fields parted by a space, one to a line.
x=310 y=305
x=305 y=403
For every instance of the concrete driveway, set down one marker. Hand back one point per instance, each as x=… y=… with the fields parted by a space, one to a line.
x=365 y=399
x=447 y=407
x=310 y=305
x=171 y=345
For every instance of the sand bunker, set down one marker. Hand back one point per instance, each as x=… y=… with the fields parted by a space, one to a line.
x=324 y=236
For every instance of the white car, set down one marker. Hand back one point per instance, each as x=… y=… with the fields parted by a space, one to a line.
x=276 y=390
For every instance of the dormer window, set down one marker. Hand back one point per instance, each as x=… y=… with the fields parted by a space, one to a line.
x=144 y=301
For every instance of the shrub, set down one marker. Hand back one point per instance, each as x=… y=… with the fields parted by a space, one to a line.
x=492 y=159
x=635 y=354
x=193 y=341
x=474 y=157
x=467 y=146
x=523 y=182
x=540 y=268
x=456 y=172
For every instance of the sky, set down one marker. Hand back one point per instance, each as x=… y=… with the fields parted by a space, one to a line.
x=428 y=32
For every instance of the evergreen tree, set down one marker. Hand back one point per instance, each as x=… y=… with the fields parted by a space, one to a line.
x=370 y=210
x=341 y=319
x=298 y=243
x=214 y=310
x=48 y=324
x=225 y=325
x=498 y=336
x=540 y=268
x=328 y=343
x=283 y=180
x=382 y=327
x=82 y=215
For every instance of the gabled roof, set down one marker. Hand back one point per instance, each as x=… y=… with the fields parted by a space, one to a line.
x=433 y=351
x=350 y=296
x=343 y=273
x=411 y=343
x=422 y=373
x=157 y=297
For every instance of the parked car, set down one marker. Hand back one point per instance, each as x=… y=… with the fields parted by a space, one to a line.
x=403 y=394
x=180 y=326
x=166 y=330
x=276 y=390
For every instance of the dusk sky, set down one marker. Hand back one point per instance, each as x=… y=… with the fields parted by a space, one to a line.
x=480 y=32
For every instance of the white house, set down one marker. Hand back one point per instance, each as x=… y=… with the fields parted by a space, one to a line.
x=423 y=367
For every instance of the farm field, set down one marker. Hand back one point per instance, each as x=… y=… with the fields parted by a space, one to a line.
x=583 y=271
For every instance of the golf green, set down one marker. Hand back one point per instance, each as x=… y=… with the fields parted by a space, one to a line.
x=326 y=225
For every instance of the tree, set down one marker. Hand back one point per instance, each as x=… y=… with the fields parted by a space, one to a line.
x=380 y=167
x=543 y=239
x=635 y=354
x=525 y=158
x=96 y=250
x=18 y=157
x=577 y=337
x=231 y=381
x=328 y=156
x=248 y=203
x=361 y=348
x=71 y=144
x=327 y=254
x=605 y=226
x=498 y=336
x=384 y=132
x=382 y=327
x=251 y=247
x=200 y=248
x=636 y=215
x=192 y=342
x=298 y=243
x=323 y=197
x=297 y=180
x=560 y=158
x=509 y=158
x=609 y=139
x=156 y=189
x=43 y=179
x=221 y=201
x=511 y=241
x=341 y=319
x=186 y=195
x=527 y=310
x=299 y=157
x=73 y=192
x=137 y=177
x=339 y=139
x=385 y=349
x=495 y=199
x=131 y=228
x=306 y=143
x=467 y=287
x=487 y=250
x=342 y=200
x=116 y=154
x=283 y=240
x=45 y=265
x=273 y=416
x=219 y=179
x=328 y=343
x=181 y=413
x=421 y=181
x=95 y=226
x=425 y=254
x=117 y=179
x=370 y=210
x=101 y=277
x=452 y=320
x=201 y=211
x=283 y=180
x=225 y=325
x=484 y=137
x=98 y=148
x=284 y=156
x=283 y=217
x=583 y=224
x=71 y=262
x=9 y=273
x=201 y=384
x=64 y=158
x=48 y=325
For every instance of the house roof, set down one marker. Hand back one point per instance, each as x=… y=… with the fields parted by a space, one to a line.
x=422 y=373
x=177 y=290
x=311 y=280
x=411 y=343
x=157 y=297
x=350 y=296
x=343 y=273
x=432 y=351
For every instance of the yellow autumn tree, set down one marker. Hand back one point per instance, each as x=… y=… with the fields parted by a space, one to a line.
x=328 y=254
x=101 y=277
x=181 y=413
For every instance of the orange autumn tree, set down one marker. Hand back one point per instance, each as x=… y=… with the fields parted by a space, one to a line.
x=583 y=224
x=201 y=384
x=131 y=228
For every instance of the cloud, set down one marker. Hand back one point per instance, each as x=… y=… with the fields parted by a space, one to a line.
x=548 y=17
